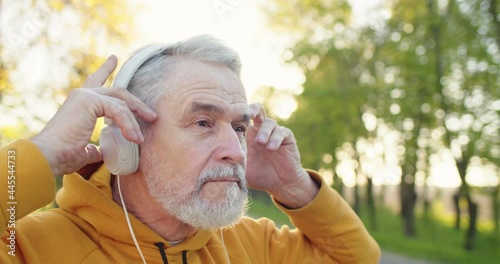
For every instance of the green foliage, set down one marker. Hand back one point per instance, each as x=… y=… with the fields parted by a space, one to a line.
x=330 y=108
x=435 y=61
x=307 y=21
x=436 y=241
x=442 y=54
x=72 y=34
x=429 y=71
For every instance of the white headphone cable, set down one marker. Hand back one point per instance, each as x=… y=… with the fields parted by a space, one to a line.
x=224 y=246
x=128 y=220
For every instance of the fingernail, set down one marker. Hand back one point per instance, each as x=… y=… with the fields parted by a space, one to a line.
x=261 y=138
x=271 y=146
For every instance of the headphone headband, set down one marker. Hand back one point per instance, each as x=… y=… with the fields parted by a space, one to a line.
x=129 y=68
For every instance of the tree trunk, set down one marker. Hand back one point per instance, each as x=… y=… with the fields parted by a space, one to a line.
x=408 y=201
x=427 y=206
x=470 y=236
x=357 y=198
x=358 y=172
x=472 y=207
x=370 y=202
x=458 y=212
x=381 y=195
x=463 y=190
x=425 y=195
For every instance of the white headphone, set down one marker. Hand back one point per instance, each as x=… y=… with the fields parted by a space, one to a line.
x=120 y=155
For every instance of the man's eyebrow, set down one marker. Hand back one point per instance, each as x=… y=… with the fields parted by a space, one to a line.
x=207 y=107
x=245 y=118
x=204 y=107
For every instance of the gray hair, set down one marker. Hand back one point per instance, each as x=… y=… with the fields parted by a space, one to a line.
x=148 y=83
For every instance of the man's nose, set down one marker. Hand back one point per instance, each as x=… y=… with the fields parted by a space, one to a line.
x=231 y=145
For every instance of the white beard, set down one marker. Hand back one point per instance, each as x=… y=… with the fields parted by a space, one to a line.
x=187 y=205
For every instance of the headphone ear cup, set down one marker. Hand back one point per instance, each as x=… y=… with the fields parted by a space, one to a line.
x=120 y=155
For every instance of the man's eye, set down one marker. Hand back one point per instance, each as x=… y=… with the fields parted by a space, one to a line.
x=240 y=128
x=203 y=123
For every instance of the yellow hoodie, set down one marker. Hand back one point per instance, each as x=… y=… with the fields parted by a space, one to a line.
x=89 y=227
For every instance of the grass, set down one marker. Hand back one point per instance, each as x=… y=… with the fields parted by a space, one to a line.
x=436 y=239
x=264 y=207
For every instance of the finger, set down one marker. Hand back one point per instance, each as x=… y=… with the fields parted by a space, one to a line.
x=258 y=114
x=278 y=137
x=98 y=78
x=134 y=104
x=265 y=130
x=123 y=117
x=118 y=111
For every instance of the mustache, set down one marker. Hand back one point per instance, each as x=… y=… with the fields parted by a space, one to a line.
x=223 y=171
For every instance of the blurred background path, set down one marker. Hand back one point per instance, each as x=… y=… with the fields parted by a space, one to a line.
x=393 y=258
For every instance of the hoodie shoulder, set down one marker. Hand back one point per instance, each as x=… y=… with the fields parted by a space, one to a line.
x=54 y=235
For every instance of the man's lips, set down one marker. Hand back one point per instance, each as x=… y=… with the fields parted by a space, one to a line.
x=225 y=180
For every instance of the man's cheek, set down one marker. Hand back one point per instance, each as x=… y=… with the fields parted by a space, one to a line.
x=244 y=144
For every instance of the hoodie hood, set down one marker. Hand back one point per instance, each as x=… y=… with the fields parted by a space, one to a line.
x=91 y=200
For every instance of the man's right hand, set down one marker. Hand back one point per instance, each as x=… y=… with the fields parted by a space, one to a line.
x=64 y=141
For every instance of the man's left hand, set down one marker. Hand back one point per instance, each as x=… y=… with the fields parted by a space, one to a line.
x=274 y=164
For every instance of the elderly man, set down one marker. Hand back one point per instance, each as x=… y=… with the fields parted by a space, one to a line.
x=183 y=199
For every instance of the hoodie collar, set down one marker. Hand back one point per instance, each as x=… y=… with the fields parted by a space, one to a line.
x=92 y=201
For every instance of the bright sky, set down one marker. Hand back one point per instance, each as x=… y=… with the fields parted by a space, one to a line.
x=237 y=22
x=241 y=25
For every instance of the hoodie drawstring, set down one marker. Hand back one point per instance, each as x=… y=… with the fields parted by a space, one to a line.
x=161 y=248
x=184 y=257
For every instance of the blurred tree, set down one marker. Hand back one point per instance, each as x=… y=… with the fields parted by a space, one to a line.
x=312 y=27
x=57 y=43
x=466 y=77
x=403 y=66
x=430 y=72
x=445 y=76
x=327 y=48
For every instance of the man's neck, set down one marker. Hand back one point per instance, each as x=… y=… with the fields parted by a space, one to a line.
x=146 y=209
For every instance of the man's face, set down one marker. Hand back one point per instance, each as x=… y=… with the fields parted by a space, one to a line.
x=195 y=158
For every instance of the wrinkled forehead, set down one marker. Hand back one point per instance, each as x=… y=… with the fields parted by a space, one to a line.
x=198 y=77
x=195 y=81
